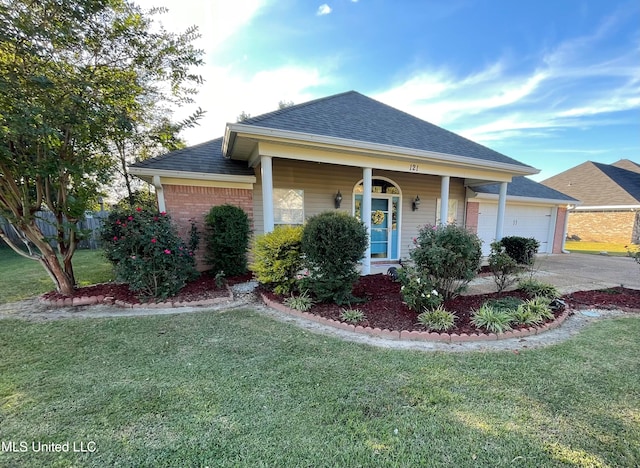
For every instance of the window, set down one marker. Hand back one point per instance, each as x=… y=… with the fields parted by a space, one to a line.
x=453 y=211
x=288 y=206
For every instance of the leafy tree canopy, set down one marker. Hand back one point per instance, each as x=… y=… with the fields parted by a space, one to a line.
x=72 y=73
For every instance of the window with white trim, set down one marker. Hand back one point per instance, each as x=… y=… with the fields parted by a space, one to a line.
x=288 y=206
x=452 y=215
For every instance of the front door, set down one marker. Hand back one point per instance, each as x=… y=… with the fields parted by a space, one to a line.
x=384 y=226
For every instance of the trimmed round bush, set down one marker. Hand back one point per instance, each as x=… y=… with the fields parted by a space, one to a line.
x=147 y=252
x=333 y=243
x=227 y=240
x=278 y=258
x=449 y=255
x=522 y=249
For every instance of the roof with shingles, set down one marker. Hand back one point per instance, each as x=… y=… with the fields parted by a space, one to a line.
x=203 y=158
x=628 y=165
x=523 y=187
x=596 y=184
x=354 y=116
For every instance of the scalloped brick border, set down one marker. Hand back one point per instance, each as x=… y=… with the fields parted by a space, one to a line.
x=414 y=335
x=94 y=300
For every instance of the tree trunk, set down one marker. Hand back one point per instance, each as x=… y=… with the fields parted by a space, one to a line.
x=47 y=257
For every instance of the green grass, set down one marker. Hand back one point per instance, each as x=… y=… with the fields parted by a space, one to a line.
x=240 y=389
x=21 y=278
x=596 y=247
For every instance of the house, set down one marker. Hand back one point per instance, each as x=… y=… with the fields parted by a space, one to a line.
x=353 y=153
x=610 y=196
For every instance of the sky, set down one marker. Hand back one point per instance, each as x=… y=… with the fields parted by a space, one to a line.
x=551 y=83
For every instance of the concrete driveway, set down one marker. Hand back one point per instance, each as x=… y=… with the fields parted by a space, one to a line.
x=576 y=272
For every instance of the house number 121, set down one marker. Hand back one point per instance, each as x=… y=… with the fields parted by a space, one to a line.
x=413 y=168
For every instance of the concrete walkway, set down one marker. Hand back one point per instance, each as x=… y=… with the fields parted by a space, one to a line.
x=575 y=272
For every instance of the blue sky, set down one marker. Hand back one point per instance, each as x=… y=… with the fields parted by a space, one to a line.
x=550 y=83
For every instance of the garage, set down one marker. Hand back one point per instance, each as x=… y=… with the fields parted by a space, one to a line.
x=520 y=220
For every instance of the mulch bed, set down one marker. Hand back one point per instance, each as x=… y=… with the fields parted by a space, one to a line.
x=383 y=306
x=382 y=302
x=203 y=287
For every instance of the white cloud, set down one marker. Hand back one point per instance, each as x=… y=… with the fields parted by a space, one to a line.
x=323 y=9
x=217 y=21
x=235 y=92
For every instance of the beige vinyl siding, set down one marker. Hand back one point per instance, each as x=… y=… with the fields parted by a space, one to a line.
x=320 y=183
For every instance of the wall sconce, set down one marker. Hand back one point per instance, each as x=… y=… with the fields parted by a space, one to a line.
x=416 y=203
x=338 y=199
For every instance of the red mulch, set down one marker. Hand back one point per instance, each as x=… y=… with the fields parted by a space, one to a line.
x=204 y=287
x=384 y=308
x=382 y=303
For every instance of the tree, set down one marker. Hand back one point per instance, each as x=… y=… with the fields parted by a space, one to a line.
x=243 y=116
x=70 y=72
x=284 y=104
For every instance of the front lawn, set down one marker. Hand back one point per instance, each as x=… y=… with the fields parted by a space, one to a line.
x=21 y=278
x=611 y=248
x=237 y=388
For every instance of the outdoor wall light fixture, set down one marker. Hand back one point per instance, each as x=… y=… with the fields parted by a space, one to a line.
x=416 y=203
x=338 y=199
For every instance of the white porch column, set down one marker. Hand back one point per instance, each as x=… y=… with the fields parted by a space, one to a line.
x=444 y=199
x=266 y=172
x=367 y=174
x=502 y=207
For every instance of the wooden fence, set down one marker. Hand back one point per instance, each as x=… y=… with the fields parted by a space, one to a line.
x=46 y=222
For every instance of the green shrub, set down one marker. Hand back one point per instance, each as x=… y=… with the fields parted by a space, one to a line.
x=438 y=319
x=491 y=319
x=449 y=255
x=302 y=302
x=352 y=315
x=147 y=253
x=538 y=308
x=508 y=303
x=333 y=243
x=278 y=258
x=535 y=288
x=503 y=267
x=417 y=290
x=521 y=249
x=227 y=239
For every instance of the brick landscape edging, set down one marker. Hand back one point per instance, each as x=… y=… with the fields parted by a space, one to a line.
x=108 y=300
x=415 y=335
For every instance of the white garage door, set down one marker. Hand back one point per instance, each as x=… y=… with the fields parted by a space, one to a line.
x=519 y=220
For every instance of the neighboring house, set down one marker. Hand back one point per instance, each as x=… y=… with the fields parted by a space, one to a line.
x=610 y=200
x=355 y=154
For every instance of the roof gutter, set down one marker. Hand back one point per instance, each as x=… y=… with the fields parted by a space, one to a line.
x=152 y=173
x=516 y=198
x=232 y=130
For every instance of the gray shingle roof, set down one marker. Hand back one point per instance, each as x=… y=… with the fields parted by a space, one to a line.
x=596 y=184
x=205 y=158
x=354 y=116
x=524 y=187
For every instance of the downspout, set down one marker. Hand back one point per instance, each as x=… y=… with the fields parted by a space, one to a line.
x=159 y=194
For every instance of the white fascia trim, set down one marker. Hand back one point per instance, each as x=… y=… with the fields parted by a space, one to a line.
x=525 y=200
x=608 y=207
x=233 y=129
x=138 y=171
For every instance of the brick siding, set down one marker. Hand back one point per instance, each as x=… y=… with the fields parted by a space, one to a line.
x=558 y=239
x=473 y=210
x=605 y=226
x=185 y=203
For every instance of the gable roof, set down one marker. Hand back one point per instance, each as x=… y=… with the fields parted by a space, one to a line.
x=628 y=165
x=356 y=118
x=526 y=188
x=597 y=184
x=205 y=158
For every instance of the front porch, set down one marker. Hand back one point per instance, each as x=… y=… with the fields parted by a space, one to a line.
x=392 y=204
